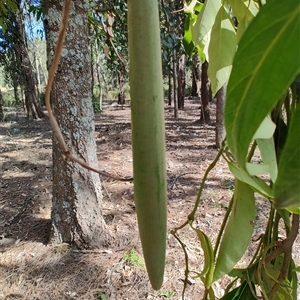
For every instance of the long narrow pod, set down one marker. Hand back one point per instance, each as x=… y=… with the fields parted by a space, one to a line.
x=148 y=133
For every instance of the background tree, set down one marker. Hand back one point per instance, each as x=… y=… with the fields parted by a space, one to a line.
x=220 y=129
x=108 y=23
x=1 y=107
x=15 y=40
x=205 y=94
x=77 y=196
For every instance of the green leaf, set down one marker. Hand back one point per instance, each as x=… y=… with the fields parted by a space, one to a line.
x=221 y=50
x=243 y=7
x=244 y=11
x=190 y=9
x=292 y=277
x=187 y=38
x=269 y=278
x=285 y=215
x=205 y=22
x=193 y=7
x=265 y=130
x=167 y=294
x=256 y=183
x=297 y=269
x=238 y=231
x=243 y=292
x=287 y=185
x=208 y=268
x=264 y=66
x=268 y=154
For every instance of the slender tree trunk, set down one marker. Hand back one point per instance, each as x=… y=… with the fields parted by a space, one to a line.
x=181 y=81
x=1 y=107
x=170 y=92
x=38 y=78
x=31 y=99
x=92 y=69
x=220 y=129
x=205 y=95
x=121 y=94
x=16 y=84
x=196 y=77
x=99 y=84
x=77 y=195
x=175 y=87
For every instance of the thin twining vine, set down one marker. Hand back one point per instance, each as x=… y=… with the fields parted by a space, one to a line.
x=58 y=48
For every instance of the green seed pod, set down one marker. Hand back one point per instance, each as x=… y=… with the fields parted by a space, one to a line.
x=148 y=134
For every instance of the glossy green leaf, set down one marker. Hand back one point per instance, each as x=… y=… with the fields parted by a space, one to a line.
x=238 y=231
x=287 y=185
x=221 y=50
x=266 y=63
x=208 y=268
x=256 y=183
x=205 y=22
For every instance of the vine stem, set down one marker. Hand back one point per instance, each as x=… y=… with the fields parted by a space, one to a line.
x=191 y=216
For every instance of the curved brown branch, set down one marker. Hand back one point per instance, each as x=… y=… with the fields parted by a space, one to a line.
x=66 y=152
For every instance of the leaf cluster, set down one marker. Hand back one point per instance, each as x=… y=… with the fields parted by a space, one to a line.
x=252 y=48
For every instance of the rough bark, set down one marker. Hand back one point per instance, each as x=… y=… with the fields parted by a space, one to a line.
x=220 y=129
x=181 y=81
x=205 y=95
x=77 y=195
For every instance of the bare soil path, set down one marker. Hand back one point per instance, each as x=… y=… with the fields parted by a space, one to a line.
x=31 y=269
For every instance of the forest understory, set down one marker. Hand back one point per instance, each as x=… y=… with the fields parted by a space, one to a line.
x=30 y=268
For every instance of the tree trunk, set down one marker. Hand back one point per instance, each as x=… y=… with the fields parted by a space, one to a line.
x=181 y=81
x=1 y=107
x=220 y=129
x=121 y=94
x=196 y=77
x=32 y=103
x=16 y=84
x=205 y=95
x=170 y=92
x=99 y=84
x=175 y=88
x=77 y=195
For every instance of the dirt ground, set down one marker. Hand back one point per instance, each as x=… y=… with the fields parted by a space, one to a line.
x=32 y=269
